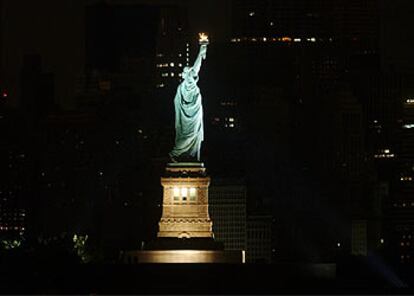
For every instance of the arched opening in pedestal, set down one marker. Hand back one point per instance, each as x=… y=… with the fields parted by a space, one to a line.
x=184 y=235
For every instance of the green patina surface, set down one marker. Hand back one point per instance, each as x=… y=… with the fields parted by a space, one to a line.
x=189 y=129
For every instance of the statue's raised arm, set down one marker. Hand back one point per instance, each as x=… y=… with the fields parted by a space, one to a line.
x=202 y=55
x=189 y=128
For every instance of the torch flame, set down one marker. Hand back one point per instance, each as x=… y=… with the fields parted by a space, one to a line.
x=203 y=37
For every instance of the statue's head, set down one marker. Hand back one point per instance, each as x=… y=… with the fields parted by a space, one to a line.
x=186 y=72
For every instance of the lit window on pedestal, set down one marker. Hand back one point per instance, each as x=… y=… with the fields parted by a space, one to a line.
x=184 y=193
x=176 y=194
x=193 y=193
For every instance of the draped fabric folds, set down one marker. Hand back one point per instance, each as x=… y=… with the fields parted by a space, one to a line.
x=188 y=119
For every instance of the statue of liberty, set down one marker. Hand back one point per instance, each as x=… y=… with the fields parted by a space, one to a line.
x=189 y=129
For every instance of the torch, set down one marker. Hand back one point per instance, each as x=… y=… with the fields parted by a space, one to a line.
x=203 y=41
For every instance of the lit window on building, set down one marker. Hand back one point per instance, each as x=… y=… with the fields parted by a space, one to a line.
x=409 y=101
x=172 y=65
x=408 y=126
x=384 y=153
x=251 y=13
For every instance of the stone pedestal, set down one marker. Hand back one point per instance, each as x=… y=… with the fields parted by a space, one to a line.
x=185 y=230
x=185 y=202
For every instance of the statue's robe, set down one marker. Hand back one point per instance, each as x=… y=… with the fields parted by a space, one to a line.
x=189 y=131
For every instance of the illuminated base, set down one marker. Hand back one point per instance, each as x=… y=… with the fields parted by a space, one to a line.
x=185 y=229
x=185 y=202
x=183 y=256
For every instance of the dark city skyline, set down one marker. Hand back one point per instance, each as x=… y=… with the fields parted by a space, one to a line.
x=301 y=162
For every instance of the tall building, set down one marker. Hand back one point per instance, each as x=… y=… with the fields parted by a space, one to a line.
x=116 y=33
x=308 y=51
x=16 y=161
x=120 y=53
x=359 y=243
x=259 y=239
x=346 y=21
x=37 y=88
x=227 y=204
x=174 y=45
x=401 y=205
